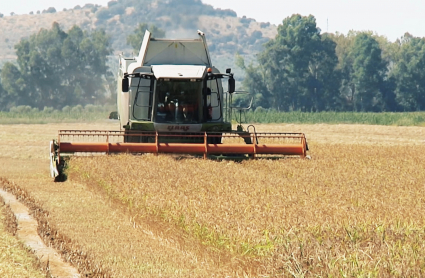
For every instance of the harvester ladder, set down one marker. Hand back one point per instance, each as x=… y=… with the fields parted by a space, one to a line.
x=255 y=133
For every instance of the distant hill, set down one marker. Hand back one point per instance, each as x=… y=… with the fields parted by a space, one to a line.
x=14 y=28
x=226 y=33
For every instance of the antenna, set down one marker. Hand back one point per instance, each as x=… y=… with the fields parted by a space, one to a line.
x=327 y=25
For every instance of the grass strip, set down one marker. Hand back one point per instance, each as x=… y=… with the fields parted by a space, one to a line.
x=258 y=116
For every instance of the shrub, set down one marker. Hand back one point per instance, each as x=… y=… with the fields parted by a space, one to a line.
x=51 y=10
x=257 y=34
x=246 y=21
x=21 y=109
x=116 y=10
x=112 y=3
x=48 y=110
x=264 y=24
x=224 y=13
x=77 y=109
x=66 y=109
x=90 y=108
x=103 y=14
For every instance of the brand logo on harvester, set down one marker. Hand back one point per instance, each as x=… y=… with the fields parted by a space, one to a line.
x=178 y=127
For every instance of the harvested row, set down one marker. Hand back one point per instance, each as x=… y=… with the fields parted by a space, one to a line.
x=55 y=243
x=102 y=239
x=15 y=259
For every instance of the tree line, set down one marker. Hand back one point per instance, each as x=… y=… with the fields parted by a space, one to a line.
x=55 y=68
x=301 y=69
x=304 y=70
x=58 y=69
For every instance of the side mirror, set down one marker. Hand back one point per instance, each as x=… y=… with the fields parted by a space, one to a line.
x=207 y=91
x=231 y=85
x=113 y=115
x=125 y=85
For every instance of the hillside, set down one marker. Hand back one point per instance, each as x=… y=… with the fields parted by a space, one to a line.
x=16 y=27
x=227 y=34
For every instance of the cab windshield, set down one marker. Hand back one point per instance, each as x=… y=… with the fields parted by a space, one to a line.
x=178 y=101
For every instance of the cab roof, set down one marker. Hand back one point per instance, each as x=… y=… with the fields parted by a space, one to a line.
x=174 y=51
x=178 y=71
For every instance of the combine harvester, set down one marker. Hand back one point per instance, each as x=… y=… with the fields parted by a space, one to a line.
x=171 y=100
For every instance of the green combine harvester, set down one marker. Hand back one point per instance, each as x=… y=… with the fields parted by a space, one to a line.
x=171 y=100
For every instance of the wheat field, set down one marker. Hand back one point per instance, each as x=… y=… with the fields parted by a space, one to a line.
x=355 y=209
x=352 y=210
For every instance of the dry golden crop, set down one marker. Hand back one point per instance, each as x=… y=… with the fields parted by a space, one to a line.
x=353 y=210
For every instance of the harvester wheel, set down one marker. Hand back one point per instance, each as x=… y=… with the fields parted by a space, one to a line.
x=61 y=168
x=214 y=138
x=129 y=137
x=57 y=165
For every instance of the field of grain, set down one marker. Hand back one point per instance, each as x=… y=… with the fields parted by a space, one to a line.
x=355 y=209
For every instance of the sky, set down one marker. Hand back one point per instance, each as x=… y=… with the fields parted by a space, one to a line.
x=385 y=17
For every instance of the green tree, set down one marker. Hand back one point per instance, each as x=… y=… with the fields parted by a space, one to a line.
x=346 y=57
x=409 y=73
x=323 y=78
x=390 y=52
x=343 y=48
x=286 y=59
x=298 y=66
x=14 y=87
x=56 y=68
x=255 y=83
x=368 y=73
x=135 y=39
x=4 y=97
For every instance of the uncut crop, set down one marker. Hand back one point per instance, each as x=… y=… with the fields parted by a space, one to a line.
x=353 y=210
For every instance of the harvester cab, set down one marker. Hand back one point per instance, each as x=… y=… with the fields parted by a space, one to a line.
x=171 y=99
x=172 y=87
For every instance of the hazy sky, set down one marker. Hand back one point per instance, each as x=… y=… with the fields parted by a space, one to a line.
x=386 y=17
